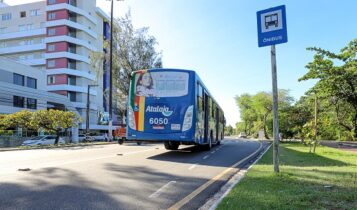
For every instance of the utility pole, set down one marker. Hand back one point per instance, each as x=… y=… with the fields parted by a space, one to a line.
x=275 y=110
x=111 y=73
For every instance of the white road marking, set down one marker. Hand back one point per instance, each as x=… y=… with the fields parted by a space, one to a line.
x=161 y=190
x=193 y=166
x=213 y=152
x=205 y=157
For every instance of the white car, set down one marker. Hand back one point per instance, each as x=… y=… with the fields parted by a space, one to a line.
x=42 y=140
x=242 y=135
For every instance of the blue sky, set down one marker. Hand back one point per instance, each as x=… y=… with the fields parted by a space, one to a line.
x=218 y=39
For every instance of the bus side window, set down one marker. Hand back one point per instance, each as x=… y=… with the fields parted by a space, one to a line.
x=204 y=105
x=210 y=106
x=199 y=97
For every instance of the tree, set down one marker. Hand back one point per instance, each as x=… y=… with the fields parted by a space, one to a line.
x=247 y=113
x=337 y=83
x=133 y=49
x=256 y=111
x=228 y=130
x=21 y=119
x=54 y=121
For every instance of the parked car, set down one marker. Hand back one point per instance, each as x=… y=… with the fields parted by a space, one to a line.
x=242 y=135
x=93 y=137
x=42 y=140
x=81 y=137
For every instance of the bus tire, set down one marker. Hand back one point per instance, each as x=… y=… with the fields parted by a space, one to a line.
x=169 y=145
x=138 y=142
x=218 y=143
x=120 y=141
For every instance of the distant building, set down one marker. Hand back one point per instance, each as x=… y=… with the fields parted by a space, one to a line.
x=56 y=37
x=23 y=87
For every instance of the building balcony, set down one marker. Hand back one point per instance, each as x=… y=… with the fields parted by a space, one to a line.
x=32 y=62
x=72 y=8
x=72 y=40
x=73 y=25
x=78 y=73
x=72 y=88
x=23 y=34
x=22 y=49
x=67 y=55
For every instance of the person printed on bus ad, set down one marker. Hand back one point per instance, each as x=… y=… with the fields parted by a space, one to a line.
x=145 y=85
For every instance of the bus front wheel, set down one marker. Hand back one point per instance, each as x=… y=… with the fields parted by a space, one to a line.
x=169 y=145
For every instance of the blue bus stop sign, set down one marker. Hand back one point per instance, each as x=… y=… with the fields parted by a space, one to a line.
x=272 y=26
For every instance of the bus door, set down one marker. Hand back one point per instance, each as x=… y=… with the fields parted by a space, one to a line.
x=206 y=117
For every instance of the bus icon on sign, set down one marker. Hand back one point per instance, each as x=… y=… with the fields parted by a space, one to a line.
x=271 y=20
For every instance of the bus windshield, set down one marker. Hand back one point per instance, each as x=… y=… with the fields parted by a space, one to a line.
x=161 y=84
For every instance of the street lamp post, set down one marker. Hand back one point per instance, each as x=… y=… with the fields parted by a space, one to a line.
x=87 y=111
x=111 y=73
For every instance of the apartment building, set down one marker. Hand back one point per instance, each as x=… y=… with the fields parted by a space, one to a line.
x=59 y=36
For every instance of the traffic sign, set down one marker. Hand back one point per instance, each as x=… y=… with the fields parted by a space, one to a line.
x=272 y=26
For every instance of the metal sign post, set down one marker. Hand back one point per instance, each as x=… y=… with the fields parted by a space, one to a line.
x=275 y=110
x=272 y=30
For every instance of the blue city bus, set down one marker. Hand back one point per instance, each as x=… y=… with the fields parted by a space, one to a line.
x=173 y=106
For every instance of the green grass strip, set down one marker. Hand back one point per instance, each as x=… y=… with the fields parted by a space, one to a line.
x=324 y=180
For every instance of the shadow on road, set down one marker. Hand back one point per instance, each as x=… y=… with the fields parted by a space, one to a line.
x=223 y=155
x=70 y=191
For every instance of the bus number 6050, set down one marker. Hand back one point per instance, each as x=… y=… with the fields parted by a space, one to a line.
x=158 y=121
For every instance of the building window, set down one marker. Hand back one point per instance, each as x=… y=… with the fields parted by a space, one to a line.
x=51 y=1
x=3 y=44
x=51 y=47
x=6 y=16
x=30 y=27
x=31 y=82
x=51 y=79
x=31 y=103
x=3 y=30
x=35 y=12
x=18 y=101
x=27 y=27
x=22 y=28
x=23 y=14
x=72 y=96
x=19 y=79
x=51 y=63
x=51 y=15
x=71 y=80
x=51 y=32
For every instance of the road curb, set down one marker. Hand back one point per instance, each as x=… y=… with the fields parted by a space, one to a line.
x=214 y=201
x=57 y=147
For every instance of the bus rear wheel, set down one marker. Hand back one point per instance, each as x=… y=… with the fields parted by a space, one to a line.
x=169 y=145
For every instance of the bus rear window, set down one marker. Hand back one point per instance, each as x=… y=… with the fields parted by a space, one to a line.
x=161 y=84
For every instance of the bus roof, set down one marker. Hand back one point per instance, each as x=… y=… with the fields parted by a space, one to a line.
x=181 y=70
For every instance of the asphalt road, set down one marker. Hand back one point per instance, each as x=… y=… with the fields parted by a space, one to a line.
x=117 y=176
